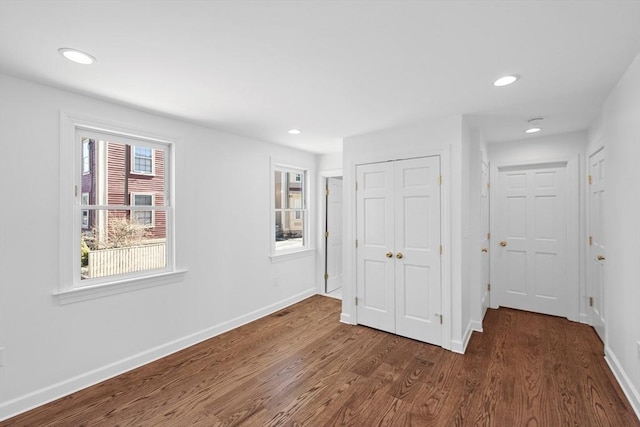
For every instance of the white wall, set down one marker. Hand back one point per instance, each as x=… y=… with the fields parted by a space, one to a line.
x=566 y=147
x=222 y=237
x=618 y=127
x=428 y=138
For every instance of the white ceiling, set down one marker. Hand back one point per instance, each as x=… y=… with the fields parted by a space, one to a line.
x=332 y=68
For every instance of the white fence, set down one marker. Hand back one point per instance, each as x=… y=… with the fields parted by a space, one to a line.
x=107 y=262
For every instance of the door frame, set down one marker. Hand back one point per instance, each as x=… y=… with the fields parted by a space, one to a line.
x=574 y=195
x=322 y=218
x=349 y=314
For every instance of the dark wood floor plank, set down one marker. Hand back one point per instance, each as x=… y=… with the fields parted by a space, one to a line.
x=301 y=367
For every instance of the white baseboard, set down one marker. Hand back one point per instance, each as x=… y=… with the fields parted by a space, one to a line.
x=48 y=394
x=346 y=318
x=584 y=318
x=460 y=346
x=625 y=383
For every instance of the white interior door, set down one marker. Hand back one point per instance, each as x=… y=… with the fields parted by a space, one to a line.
x=530 y=246
x=417 y=249
x=597 y=246
x=333 y=244
x=398 y=255
x=484 y=238
x=375 y=263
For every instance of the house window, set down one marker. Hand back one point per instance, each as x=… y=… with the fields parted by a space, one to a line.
x=145 y=218
x=142 y=160
x=290 y=210
x=85 y=212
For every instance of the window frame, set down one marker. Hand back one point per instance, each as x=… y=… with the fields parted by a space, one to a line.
x=283 y=254
x=70 y=287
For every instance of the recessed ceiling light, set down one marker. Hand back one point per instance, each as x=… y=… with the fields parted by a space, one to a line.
x=534 y=125
x=295 y=131
x=506 y=80
x=77 y=56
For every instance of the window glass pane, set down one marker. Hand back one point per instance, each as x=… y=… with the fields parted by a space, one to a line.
x=278 y=189
x=110 y=180
x=142 y=159
x=289 y=230
x=116 y=243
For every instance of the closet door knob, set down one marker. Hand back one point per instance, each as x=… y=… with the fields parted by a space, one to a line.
x=389 y=255
x=399 y=255
x=503 y=243
x=485 y=249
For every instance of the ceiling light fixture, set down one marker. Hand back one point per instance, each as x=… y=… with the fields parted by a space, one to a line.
x=295 y=131
x=534 y=125
x=506 y=80
x=77 y=56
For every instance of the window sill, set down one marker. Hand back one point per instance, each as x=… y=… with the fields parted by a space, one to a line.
x=292 y=255
x=71 y=296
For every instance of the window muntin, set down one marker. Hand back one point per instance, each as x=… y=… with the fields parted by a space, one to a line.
x=123 y=223
x=290 y=210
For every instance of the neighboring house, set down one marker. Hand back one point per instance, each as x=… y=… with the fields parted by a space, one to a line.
x=119 y=174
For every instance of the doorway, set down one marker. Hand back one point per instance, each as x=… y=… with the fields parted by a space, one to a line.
x=398 y=255
x=530 y=245
x=333 y=237
x=597 y=248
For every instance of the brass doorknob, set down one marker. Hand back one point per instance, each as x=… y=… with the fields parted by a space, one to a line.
x=389 y=255
x=601 y=258
x=399 y=255
x=485 y=249
x=503 y=243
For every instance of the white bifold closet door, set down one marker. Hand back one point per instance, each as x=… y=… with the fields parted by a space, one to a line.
x=398 y=255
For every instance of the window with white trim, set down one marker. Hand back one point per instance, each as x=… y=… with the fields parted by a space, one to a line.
x=116 y=226
x=290 y=214
x=142 y=160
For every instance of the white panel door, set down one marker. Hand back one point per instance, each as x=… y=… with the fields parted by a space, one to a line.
x=334 y=235
x=375 y=263
x=597 y=246
x=531 y=258
x=484 y=238
x=417 y=248
x=398 y=275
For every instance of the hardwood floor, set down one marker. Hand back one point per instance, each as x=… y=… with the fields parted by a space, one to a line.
x=301 y=367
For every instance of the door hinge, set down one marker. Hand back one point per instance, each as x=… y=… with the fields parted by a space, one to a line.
x=355 y=300
x=488 y=286
x=441 y=319
x=356 y=185
x=326 y=276
x=488 y=185
x=440 y=249
x=488 y=236
x=590 y=301
x=590 y=179
x=590 y=240
x=326 y=192
x=76 y=191
x=356 y=243
x=440 y=180
x=326 y=234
